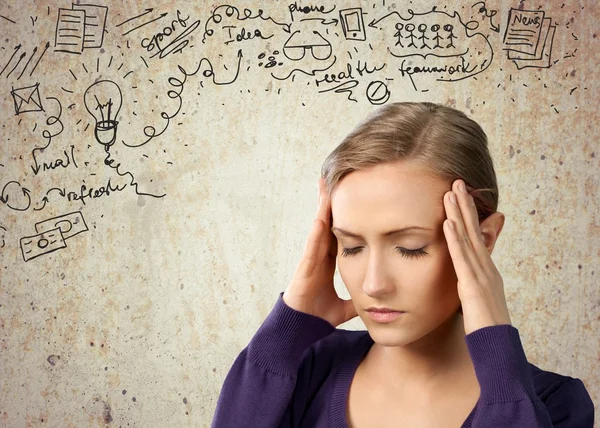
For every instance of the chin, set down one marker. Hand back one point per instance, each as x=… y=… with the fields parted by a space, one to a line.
x=393 y=335
x=402 y=333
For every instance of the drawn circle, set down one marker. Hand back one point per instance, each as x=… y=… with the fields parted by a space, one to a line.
x=65 y=226
x=399 y=26
x=217 y=18
x=410 y=27
x=275 y=52
x=377 y=92
x=472 y=25
x=261 y=56
x=448 y=27
x=43 y=243
x=422 y=28
x=435 y=27
x=229 y=11
x=321 y=52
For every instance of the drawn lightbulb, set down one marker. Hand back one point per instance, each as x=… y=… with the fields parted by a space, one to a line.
x=103 y=101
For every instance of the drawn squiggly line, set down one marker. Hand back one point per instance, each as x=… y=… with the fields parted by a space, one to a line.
x=109 y=162
x=47 y=135
x=150 y=131
x=312 y=73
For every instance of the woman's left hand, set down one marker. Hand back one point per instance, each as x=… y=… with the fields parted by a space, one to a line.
x=480 y=285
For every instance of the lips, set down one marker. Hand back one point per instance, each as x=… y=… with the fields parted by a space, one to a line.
x=384 y=315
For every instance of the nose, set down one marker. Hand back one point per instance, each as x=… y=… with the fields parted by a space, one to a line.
x=378 y=282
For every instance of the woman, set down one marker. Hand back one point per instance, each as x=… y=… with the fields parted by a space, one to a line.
x=407 y=207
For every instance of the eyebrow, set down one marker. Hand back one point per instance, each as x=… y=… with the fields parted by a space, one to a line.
x=390 y=233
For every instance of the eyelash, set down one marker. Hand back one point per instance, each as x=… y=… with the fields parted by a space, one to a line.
x=406 y=253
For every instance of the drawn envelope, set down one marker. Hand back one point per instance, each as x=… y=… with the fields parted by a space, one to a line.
x=27 y=99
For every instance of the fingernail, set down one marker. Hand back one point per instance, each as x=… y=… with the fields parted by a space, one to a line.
x=453 y=198
x=461 y=187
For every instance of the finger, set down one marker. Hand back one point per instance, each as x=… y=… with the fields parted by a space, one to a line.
x=464 y=258
x=326 y=215
x=311 y=250
x=470 y=218
x=324 y=207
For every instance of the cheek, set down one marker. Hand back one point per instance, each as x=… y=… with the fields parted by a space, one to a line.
x=352 y=273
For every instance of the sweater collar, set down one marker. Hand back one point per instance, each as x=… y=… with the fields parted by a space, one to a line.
x=343 y=379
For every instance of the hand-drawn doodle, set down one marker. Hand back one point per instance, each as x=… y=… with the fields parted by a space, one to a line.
x=103 y=100
x=146 y=12
x=2 y=236
x=11 y=57
x=52 y=234
x=378 y=93
x=295 y=7
x=35 y=49
x=232 y=12
x=271 y=60
x=52 y=120
x=42 y=243
x=21 y=57
x=345 y=79
x=70 y=224
x=440 y=44
x=353 y=24
x=82 y=194
x=79 y=28
x=299 y=42
x=481 y=7
x=27 y=99
x=161 y=16
x=8 y=19
x=528 y=38
x=178 y=85
x=15 y=196
x=175 y=45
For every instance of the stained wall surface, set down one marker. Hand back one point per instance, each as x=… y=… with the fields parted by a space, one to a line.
x=158 y=170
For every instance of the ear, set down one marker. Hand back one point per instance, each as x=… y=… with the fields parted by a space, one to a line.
x=491 y=228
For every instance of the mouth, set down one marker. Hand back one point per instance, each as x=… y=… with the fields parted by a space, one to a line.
x=382 y=310
x=384 y=315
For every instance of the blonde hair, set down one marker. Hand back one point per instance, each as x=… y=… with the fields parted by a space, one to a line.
x=441 y=139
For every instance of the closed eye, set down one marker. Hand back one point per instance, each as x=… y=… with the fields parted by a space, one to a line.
x=405 y=252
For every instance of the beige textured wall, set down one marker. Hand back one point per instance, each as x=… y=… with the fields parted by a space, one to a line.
x=126 y=305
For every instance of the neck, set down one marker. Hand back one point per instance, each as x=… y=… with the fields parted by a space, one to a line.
x=434 y=360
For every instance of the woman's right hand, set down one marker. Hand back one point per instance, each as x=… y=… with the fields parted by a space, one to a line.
x=311 y=290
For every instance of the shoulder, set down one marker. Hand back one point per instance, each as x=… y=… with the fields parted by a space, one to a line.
x=565 y=397
x=340 y=345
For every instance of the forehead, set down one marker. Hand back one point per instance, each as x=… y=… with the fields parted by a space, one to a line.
x=388 y=196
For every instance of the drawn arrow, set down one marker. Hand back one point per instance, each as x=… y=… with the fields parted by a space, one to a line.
x=11 y=57
x=146 y=23
x=148 y=10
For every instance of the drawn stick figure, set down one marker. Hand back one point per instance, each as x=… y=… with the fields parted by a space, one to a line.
x=451 y=36
x=410 y=28
x=422 y=28
x=436 y=29
x=399 y=27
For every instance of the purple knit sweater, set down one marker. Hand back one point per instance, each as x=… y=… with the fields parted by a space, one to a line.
x=297 y=370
